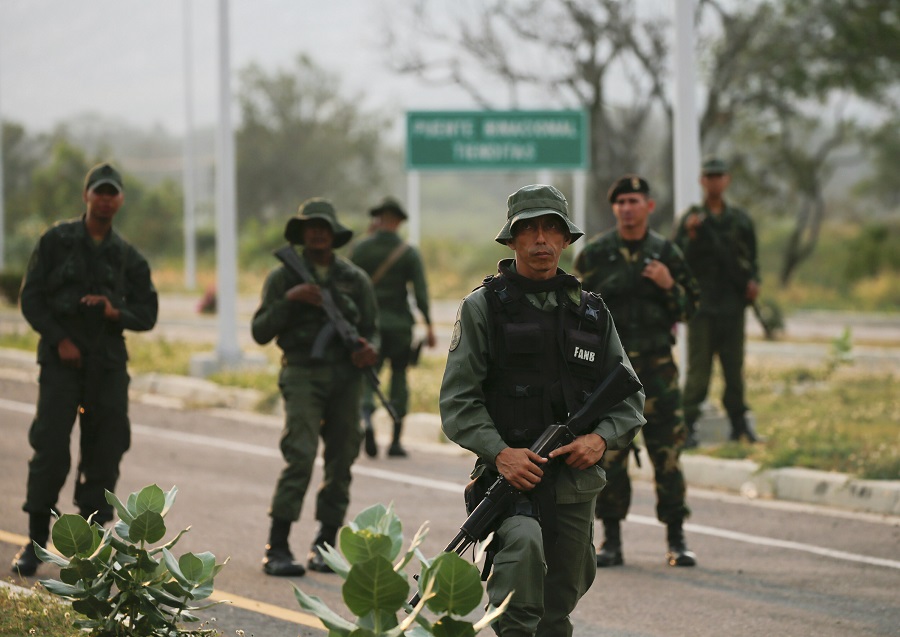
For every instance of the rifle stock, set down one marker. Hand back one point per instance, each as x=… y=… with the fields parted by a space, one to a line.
x=337 y=325
x=486 y=517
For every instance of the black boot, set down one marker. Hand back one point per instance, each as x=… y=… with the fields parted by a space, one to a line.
x=395 y=450
x=369 y=433
x=678 y=554
x=315 y=561
x=610 y=554
x=26 y=561
x=741 y=429
x=279 y=560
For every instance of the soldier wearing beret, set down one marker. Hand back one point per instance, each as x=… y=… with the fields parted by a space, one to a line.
x=648 y=288
x=393 y=265
x=321 y=394
x=719 y=243
x=527 y=346
x=84 y=286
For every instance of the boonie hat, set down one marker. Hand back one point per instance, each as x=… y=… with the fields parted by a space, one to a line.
x=389 y=204
x=626 y=185
x=316 y=208
x=532 y=201
x=102 y=175
x=714 y=166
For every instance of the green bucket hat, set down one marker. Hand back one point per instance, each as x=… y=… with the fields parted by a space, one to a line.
x=536 y=200
x=714 y=166
x=316 y=208
x=388 y=204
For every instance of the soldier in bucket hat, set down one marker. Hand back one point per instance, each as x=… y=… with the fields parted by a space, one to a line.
x=394 y=267
x=527 y=347
x=322 y=392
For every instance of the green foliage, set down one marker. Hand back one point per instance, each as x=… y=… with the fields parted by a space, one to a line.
x=375 y=589
x=875 y=249
x=120 y=586
x=299 y=138
x=34 y=612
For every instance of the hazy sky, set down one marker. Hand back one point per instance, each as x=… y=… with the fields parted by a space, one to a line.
x=124 y=58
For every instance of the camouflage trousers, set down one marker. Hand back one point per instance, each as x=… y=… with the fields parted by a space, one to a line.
x=395 y=346
x=664 y=437
x=319 y=402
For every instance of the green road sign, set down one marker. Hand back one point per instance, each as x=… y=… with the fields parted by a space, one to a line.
x=507 y=140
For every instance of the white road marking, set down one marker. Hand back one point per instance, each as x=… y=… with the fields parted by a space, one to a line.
x=453 y=487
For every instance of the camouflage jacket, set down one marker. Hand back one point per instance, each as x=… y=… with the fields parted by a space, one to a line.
x=722 y=256
x=295 y=325
x=643 y=312
x=65 y=266
x=391 y=289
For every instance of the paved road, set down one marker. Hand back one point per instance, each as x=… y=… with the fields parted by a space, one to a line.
x=765 y=568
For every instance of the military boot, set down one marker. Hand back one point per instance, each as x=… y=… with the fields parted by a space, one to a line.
x=26 y=561
x=369 y=434
x=395 y=450
x=741 y=428
x=678 y=554
x=315 y=561
x=610 y=554
x=279 y=560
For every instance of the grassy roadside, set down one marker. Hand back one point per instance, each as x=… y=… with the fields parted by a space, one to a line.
x=34 y=613
x=831 y=416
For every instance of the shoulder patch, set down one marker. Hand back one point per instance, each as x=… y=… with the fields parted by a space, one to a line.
x=456 y=337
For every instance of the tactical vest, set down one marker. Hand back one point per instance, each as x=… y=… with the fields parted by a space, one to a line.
x=544 y=364
x=638 y=306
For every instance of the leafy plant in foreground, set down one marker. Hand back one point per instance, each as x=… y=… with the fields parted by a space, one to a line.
x=121 y=585
x=376 y=587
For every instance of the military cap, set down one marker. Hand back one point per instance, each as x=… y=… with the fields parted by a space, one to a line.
x=388 y=204
x=532 y=201
x=626 y=185
x=103 y=175
x=316 y=208
x=714 y=166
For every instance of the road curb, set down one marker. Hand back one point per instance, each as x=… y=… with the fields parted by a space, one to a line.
x=420 y=429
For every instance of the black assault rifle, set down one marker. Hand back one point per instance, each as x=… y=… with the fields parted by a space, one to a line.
x=337 y=325
x=486 y=517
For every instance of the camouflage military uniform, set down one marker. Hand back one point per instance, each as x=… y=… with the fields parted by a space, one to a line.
x=645 y=316
x=547 y=584
x=394 y=316
x=723 y=258
x=65 y=266
x=321 y=397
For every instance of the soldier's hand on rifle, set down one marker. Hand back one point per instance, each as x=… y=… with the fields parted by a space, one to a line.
x=752 y=290
x=520 y=467
x=69 y=354
x=365 y=356
x=305 y=293
x=110 y=313
x=583 y=452
x=658 y=272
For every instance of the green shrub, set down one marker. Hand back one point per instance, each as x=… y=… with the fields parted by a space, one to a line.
x=376 y=588
x=119 y=585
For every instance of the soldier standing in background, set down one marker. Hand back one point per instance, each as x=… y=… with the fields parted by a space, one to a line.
x=321 y=393
x=648 y=288
x=393 y=265
x=719 y=243
x=84 y=286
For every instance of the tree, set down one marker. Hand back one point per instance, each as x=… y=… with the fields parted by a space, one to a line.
x=300 y=138
x=780 y=79
x=585 y=54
